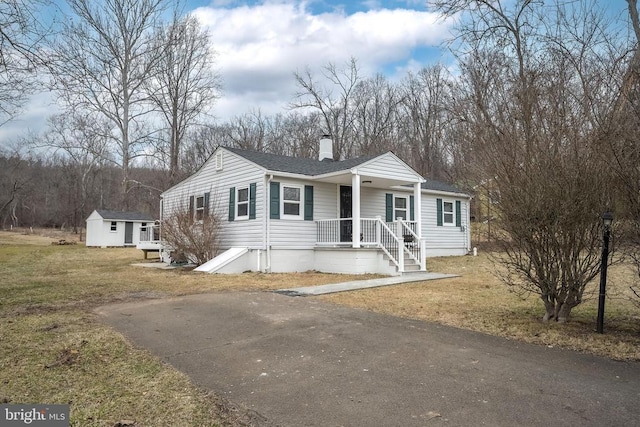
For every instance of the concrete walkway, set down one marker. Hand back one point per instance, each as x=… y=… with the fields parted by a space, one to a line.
x=363 y=284
x=305 y=362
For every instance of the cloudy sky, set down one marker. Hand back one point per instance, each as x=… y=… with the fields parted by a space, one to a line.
x=260 y=44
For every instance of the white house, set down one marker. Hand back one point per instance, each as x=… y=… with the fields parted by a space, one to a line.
x=107 y=228
x=281 y=214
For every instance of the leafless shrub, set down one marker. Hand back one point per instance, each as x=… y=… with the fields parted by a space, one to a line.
x=192 y=240
x=530 y=101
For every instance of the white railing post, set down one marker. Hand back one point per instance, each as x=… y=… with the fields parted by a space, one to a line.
x=400 y=255
x=423 y=255
x=378 y=226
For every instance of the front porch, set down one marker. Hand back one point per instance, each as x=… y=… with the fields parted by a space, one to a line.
x=398 y=240
x=149 y=239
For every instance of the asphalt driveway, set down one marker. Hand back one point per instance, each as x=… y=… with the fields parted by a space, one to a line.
x=303 y=362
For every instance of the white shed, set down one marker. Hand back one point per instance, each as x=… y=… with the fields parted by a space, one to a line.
x=106 y=228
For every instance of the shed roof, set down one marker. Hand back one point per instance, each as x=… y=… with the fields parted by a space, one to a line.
x=124 y=216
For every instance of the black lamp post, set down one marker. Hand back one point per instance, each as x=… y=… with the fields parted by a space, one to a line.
x=607 y=219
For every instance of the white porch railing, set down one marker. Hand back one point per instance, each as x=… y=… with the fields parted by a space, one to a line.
x=396 y=239
x=150 y=233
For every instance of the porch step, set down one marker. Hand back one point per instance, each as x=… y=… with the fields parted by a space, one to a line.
x=410 y=265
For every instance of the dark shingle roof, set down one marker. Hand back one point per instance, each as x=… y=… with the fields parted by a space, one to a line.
x=124 y=216
x=432 y=184
x=311 y=167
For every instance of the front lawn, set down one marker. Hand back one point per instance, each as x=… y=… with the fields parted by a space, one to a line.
x=55 y=350
x=479 y=301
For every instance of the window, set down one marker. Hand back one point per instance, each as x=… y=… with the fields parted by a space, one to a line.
x=114 y=226
x=242 y=204
x=447 y=213
x=199 y=208
x=291 y=202
x=400 y=208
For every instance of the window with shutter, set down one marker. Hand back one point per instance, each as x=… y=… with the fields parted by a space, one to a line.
x=242 y=203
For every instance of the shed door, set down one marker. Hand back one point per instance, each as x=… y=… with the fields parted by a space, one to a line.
x=128 y=233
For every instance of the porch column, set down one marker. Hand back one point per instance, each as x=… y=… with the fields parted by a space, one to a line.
x=417 y=198
x=355 y=210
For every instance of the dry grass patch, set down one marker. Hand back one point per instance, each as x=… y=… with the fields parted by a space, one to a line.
x=66 y=357
x=55 y=351
x=480 y=302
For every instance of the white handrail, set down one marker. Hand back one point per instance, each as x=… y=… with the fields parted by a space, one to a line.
x=390 y=237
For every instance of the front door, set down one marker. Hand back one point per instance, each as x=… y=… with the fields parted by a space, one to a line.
x=345 y=212
x=128 y=233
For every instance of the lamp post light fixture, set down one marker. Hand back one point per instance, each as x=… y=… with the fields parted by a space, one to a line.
x=607 y=220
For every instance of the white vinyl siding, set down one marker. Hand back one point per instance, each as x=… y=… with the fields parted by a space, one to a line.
x=237 y=173
x=388 y=166
x=373 y=202
x=449 y=240
x=296 y=234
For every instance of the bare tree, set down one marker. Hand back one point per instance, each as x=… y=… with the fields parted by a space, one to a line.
x=425 y=119
x=15 y=182
x=333 y=99
x=375 y=109
x=526 y=97
x=184 y=83
x=81 y=141
x=249 y=131
x=21 y=35
x=104 y=57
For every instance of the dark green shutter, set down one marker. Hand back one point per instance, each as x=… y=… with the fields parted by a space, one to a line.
x=191 y=202
x=252 y=201
x=308 y=202
x=439 y=211
x=206 y=205
x=458 y=214
x=388 y=208
x=412 y=213
x=232 y=203
x=274 y=203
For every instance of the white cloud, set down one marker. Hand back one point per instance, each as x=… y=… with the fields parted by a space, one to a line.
x=260 y=46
